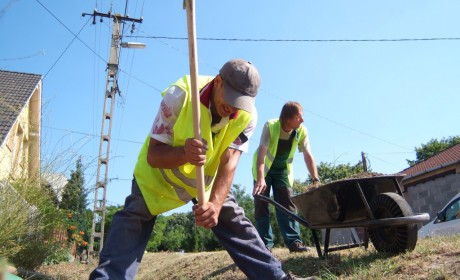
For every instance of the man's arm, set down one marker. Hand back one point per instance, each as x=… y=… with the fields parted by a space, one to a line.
x=260 y=184
x=310 y=162
x=161 y=155
x=207 y=215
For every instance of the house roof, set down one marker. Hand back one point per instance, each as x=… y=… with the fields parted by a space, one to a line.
x=15 y=90
x=444 y=158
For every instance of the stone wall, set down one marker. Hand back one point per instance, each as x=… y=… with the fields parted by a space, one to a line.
x=429 y=197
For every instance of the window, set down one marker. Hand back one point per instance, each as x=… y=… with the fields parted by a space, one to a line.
x=453 y=211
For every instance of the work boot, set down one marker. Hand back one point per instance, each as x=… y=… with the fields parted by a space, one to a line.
x=291 y=276
x=297 y=246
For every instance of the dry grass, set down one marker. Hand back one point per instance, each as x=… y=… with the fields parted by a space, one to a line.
x=432 y=259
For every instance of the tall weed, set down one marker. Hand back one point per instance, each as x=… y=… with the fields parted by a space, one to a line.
x=30 y=224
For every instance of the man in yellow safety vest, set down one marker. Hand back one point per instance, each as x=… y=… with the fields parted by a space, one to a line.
x=272 y=169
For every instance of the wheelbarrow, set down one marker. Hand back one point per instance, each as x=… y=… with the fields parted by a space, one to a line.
x=374 y=203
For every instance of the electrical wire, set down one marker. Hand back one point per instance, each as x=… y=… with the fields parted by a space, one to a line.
x=303 y=40
x=41 y=52
x=240 y=40
x=65 y=50
x=55 y=17
x=91 y=134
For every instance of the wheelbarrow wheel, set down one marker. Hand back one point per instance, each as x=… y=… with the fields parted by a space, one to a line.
x=392 y=239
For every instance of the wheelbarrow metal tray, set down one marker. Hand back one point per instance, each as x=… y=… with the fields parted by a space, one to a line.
x=345 y=200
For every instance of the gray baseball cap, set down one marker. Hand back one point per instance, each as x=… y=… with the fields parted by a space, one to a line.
x=241 y=83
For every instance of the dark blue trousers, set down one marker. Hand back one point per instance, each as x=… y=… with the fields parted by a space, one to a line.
x=132 y=226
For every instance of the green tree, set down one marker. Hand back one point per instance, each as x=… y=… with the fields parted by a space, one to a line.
x=74 y=196
x=177 y=229
x=158 y=234
x=48 y=189
x=74 y=202
x=329 y=172
x=433 y=147
x=244 y=200
x=109 y=213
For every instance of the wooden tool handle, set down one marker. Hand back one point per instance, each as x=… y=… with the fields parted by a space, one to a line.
x=193 y=60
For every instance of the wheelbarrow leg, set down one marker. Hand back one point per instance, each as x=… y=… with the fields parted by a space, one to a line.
x=326 y=242
x=317 y=244
x=366 y=238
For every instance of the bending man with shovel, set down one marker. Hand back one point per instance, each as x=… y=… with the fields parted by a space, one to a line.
x=165 y=171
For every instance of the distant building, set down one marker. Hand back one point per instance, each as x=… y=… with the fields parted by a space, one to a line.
x=57 y=181
x=430 y=184
x=20 y=122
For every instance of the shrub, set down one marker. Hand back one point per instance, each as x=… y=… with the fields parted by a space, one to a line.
x=30 y=224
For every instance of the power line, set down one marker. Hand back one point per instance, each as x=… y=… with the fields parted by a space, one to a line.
x=357 y=130
x=92 y=135
x=65 y=50
x=68 y=29
x=302 y=40
x=88 y=47
x=248 y=40
x=6 y=8
x=41 y=52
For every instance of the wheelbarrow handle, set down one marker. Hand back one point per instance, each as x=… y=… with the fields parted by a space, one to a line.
x=295 y=217
x=283 y=209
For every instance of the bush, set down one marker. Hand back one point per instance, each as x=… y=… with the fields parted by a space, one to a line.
x=13 y=222
x=28 y=229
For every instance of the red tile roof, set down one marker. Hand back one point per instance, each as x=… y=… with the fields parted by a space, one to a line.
x=447 y=157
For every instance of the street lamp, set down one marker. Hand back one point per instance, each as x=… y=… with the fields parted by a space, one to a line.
x=132 y=45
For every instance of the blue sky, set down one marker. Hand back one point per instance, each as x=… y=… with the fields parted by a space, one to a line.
x=363 y=89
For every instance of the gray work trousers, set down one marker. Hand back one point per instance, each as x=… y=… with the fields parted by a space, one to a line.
x=132 y=226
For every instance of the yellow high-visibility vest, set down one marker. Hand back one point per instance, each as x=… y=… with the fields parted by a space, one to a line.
x=274 y=127
x=166 y=189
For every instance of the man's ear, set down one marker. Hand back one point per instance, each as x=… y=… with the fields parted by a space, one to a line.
x=218 y=80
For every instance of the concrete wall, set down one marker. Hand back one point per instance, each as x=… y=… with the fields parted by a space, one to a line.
x=429 y=197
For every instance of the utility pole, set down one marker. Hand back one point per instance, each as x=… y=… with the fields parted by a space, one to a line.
x=97 y=229
x=363 y=156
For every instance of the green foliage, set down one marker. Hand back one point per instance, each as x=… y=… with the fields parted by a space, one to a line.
x=329 y=172
x=13 y=221
x=48 y=189
x=32 y=219
x=178 y=227
x=74 y=203
x=433 y=147
x=299 y=187
x=74 y=196
x=109 y=213
x=59 y=255
x=158 y=234
x=245 y=200
x=179 y=232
